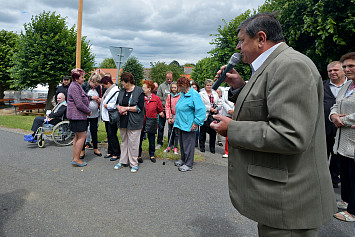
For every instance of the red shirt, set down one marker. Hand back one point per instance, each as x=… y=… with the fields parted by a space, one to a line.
x=153 y=106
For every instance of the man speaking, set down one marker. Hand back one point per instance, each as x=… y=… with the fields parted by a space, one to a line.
x=278 y=172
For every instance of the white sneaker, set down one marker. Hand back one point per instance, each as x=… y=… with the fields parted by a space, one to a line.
x=342 y=205
x=225 y=156
x=158 y=147
x=185 y=168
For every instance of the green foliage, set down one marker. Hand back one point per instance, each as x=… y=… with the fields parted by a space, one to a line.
x=46 y=52
x=323 y=30
x=7 y=47
x=159 y=69
x=205 y=69
x=136 y=68
x=174 y=62
x=225 y=43
x=108 y=63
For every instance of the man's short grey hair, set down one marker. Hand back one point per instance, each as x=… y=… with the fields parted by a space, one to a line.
x=333 y=64
x=265 y=22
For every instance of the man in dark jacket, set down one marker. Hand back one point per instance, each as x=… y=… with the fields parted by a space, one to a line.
x=331 y=88
x=63 y=88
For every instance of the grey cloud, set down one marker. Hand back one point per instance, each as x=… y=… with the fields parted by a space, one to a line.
x=10 y=16
x=158 y=30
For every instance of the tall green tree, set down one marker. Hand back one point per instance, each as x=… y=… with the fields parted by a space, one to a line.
x=46 y=52
x=323 y=30
x=205 y=69
x=158 y=71
x=225 y=43
x=133 y=66
x=108 y=63
x=7 y=47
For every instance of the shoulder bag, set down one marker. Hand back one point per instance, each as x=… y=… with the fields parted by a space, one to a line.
x=113 y=113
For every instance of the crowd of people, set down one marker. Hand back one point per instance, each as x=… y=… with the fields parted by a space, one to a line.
x=281 y=128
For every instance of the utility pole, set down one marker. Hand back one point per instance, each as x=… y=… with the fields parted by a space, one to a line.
x=78 y=38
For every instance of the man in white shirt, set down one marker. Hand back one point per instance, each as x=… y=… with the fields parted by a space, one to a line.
x=278 y=173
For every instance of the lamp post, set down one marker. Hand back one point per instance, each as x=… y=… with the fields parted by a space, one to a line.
x=78 y=38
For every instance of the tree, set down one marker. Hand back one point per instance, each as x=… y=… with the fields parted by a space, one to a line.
x=46 y=52
x=7 y=46
x=205 y=69
x=159 y=69
x=136 y=68
x=225 y=45
x=323 y=30
x=108 y=63
x=189 y=65
x=176 y=63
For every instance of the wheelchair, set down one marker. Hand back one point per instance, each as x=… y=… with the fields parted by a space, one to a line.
x=60 y=134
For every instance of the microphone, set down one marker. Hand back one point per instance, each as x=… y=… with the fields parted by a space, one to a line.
x=232 y=62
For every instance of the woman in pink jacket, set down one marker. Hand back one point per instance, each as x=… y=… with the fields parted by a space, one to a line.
x=170 y=116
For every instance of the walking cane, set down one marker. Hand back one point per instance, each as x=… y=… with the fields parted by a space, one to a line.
x=166 y=152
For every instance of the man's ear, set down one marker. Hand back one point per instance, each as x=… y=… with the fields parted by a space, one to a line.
x=261 y=36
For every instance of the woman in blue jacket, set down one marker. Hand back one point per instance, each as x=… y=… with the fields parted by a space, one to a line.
x=190 y=112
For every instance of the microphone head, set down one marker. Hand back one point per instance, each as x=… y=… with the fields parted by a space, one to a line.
x=235 y=59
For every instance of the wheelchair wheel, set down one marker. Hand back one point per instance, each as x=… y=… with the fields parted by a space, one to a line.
x=40 y=141
x=40 y=138
x=62 y=135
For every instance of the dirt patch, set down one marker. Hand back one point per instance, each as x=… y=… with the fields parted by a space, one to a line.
x=7 y=111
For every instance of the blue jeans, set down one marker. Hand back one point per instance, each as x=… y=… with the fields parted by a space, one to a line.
x=151 y=139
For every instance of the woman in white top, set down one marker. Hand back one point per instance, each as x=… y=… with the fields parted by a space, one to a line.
x=342 y=114
x=94 y=107
x=212 y=102
x=109 y=102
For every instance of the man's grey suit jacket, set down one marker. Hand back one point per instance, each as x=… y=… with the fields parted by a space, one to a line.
x=278 y=172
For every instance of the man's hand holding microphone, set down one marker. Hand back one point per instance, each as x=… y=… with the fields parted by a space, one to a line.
x=231 y=77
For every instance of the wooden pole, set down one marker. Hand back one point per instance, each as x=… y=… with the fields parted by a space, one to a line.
x=78 y=38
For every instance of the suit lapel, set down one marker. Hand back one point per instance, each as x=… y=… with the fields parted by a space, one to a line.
x=246 y=89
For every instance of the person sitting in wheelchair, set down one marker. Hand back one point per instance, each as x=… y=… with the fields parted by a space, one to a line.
x=57 y=115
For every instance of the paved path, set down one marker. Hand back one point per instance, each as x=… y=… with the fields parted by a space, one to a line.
x=41 y=194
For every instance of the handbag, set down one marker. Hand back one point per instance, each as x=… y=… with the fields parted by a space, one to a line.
x=210 y=118
x=113 y=113
x=151 y=125
x=113 y=116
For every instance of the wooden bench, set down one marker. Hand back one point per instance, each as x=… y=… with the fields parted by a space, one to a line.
x=9 y=101
x=28 y=107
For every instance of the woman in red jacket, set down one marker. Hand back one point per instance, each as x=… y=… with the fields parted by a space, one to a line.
x=153 y=107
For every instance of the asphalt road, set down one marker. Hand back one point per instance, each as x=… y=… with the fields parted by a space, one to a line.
x=41 y=194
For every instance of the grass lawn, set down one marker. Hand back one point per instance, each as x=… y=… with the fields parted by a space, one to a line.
x=25 y=123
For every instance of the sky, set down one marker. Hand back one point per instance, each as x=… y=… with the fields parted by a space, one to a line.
x=157 y=30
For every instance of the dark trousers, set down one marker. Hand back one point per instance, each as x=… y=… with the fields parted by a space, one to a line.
x=173 y=141
x=161 y=126
x=113 y=143
x=37 y=122
x=267 y=231
x=347 y=177
x=202 y=140
x=334 y=165
x=197 y=136
x=187 y=147
x=93 y=130
x=151 y=140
